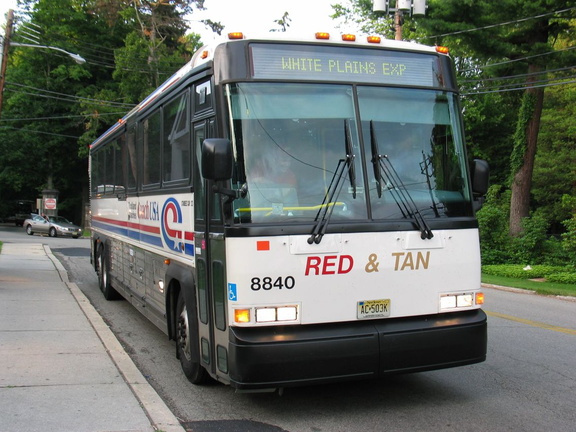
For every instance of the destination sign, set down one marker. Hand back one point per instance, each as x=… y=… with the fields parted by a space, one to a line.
x=349 y=64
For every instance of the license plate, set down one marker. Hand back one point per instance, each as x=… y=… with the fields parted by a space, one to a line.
x=373 y=309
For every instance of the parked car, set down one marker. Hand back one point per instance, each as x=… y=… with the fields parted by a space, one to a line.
x=52 y=225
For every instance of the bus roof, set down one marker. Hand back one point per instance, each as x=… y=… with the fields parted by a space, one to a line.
x=206 y=54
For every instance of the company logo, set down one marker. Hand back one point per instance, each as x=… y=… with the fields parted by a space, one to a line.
x=174 y=237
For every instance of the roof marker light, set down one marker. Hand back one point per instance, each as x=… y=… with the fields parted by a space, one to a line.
x=348 y=37
x=322 y=35
x=204 y=54
x=442 y=49
x=374 y=39
x=235 y=35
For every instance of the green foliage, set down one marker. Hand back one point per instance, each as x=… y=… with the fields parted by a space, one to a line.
x=520 y=139
x=563 y=277
x=526 y=272
x=54 y=108
x=554 y=181
x=533 y=246
x=489 y=121
x=569 y=237
x=493 y=224
x=541 y=286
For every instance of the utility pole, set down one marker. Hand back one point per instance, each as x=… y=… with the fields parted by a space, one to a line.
x=398 y=22
x=412 y=7
x=5 y=46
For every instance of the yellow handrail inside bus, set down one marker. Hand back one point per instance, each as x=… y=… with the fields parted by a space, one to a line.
x=291 y=208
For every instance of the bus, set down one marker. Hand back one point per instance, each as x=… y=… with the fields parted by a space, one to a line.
x=297 y=211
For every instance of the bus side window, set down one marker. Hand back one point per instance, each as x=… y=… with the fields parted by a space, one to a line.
x=131 y=160
x=118 y=180
x=150 y=132
x=97 y=170
x=202 y=97
x=176 y=151
x=108 y=177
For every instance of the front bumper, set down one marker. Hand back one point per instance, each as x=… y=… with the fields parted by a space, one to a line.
x=262 y=358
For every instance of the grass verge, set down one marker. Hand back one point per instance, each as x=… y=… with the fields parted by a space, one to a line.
x=544 y=287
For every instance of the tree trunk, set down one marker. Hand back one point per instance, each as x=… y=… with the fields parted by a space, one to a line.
x=526 y=142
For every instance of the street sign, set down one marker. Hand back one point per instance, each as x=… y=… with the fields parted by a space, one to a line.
x=50 y=203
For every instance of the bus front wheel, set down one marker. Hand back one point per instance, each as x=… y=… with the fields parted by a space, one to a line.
x=186 y=336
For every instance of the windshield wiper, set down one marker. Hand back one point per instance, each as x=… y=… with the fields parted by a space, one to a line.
x=329 y=202
x=425 y=164
x=384 y=171
x=350 y=157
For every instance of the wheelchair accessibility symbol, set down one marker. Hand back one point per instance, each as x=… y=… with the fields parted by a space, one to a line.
x=232 y=292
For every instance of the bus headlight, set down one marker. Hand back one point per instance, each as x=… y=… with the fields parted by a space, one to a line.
x=276 y=314
x=454 y=301
x=267 y=314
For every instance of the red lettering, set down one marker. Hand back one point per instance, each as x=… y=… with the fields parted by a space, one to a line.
x=345 y=260
x=329 y=261
x=329 y=265
x=313 y=263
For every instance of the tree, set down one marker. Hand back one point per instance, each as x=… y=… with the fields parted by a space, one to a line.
x=55 y=108
x=40 y=144
x=503 y=52
x=521 y=48
x=283 y=23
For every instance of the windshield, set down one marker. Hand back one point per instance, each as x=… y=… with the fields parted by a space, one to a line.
x=301 y=149
x=59 y=220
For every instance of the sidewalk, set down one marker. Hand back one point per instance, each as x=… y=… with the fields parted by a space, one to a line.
x=61 y=368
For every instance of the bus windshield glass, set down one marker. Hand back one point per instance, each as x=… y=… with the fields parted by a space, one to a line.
x=292 y=143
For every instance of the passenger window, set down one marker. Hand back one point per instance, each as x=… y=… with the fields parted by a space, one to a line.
x=130 y=153
x=151 y=149
x=202 y=96
x=176 y=153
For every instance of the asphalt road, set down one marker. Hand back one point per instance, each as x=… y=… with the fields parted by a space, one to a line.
x=528 y=382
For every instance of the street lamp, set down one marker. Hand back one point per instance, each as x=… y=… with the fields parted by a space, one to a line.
x=77 y=58
x=6 y=43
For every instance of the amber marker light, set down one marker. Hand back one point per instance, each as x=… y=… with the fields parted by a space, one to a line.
x=374 y=39
x=235 y=35
x=242 y=316
x=442 y=49
x=167 y=261
x=204 y=54
x=323 y=35
x=479 y=298
x=348 y=37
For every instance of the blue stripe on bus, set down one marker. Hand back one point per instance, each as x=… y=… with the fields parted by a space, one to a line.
x=140 y=236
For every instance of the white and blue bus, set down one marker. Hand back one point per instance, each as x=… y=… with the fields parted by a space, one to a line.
x=295 y=212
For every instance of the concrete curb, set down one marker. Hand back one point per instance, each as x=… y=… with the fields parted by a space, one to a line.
x=160 y=416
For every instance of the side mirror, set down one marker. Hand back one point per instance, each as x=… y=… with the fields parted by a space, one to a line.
x=217 y=159
x=480 y=177
x=480 y=182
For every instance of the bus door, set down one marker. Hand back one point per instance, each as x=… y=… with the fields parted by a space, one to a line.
x=210 y=267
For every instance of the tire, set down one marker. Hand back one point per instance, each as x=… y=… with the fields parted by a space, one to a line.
x=186 y=338
x=29 y=230
x=104 y=278
x=52 y=232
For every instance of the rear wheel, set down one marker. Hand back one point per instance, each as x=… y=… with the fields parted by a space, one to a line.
x=104 y=278
x=52 y=232
x=187 y=344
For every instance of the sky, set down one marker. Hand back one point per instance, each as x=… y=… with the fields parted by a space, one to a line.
x=259 y=15
x=248 y=16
